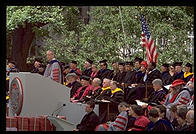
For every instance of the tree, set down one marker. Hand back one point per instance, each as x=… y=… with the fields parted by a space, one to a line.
x=22 y=24
x=103 y=37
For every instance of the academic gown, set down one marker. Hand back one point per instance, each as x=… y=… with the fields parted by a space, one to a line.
x=89 y=122
x=157 y=96
x=130 y=77
x=106 y=73
x=179 y=75
x=160 y=125
x=166 y=78
x=87 y=72
x=120 y=77
x=74 y=86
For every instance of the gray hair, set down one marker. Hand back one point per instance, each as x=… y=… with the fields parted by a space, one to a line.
x=157 y=82
x=51 y=51
x=108 y=80
x=97 y=80
x=182 y=111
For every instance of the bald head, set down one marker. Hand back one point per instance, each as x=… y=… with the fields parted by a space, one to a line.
x=50 y=55
x=190 y=117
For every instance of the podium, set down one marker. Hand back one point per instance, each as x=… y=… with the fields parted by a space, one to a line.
x=35 y=95
x=32 y=94
x=60 y=124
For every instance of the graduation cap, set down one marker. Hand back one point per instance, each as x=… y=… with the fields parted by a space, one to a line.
x=74 y=62
x=121 y=63
x=189 y=65
x=138 y=59
x=177 y=64
x=89 y=61
x=129 y=63
x=84 y=77
x=165 y=65
x=103 y=61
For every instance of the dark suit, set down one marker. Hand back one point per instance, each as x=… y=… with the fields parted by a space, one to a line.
x=89 y=122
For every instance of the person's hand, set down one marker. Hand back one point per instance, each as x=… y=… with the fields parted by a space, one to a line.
x=133 y=85
x=75 y=129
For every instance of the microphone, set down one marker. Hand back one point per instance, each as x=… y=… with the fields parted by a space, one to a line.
x=58 y=109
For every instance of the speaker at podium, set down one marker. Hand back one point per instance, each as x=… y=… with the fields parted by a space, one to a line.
x=61 y=124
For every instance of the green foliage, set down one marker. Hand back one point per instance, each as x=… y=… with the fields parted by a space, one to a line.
x=103 y=37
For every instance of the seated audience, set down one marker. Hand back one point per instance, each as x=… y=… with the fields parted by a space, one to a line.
x=181 y=118
x=105 y=90
x=82 y=91
x=95 y=70
x=190 y=120
x=73 y=83
x=96 y=90
x=156 y=123
x=120 y=122
x=188 y=73
x=141 y=121
x=177 y=95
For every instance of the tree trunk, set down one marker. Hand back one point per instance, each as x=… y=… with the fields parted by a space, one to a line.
x=21 y=42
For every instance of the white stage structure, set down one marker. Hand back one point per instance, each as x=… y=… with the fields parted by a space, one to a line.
x=32 y=94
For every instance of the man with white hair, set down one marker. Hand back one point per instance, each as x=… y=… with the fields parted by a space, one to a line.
x=159 y=93
x=53 y=69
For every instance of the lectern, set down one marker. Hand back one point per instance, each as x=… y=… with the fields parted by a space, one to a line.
x=60 y=124
x=32 y=94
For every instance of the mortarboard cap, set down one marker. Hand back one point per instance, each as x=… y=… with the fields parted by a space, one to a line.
x=138 y=59
x=129 y=63
x=189 y=65
x=89 y=61
x=74 y=62
x=165 y=65
x=121 y=63
x=103 y=61
x=84 y=77
x=177 y=64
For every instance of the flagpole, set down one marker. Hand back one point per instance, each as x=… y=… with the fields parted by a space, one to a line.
x=141 y=10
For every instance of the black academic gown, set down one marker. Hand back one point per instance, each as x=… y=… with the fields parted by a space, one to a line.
x=157 y=96
x=161 y=125
x=104 y=74
x=179 y=75
x=89 y=122
x=166 y=78
x=104 y=94
x=87 y=72
x=130 y=77
x=120 y=77
x=74 y=86
x=117 y=97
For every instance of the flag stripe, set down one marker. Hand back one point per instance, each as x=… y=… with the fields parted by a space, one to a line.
x=148 y=43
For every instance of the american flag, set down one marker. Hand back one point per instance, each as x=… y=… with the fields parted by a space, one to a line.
x=148 y=43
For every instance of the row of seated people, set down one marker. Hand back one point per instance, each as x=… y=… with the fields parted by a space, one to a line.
x=128 y=73
x=179 y=93
x=135 y=118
